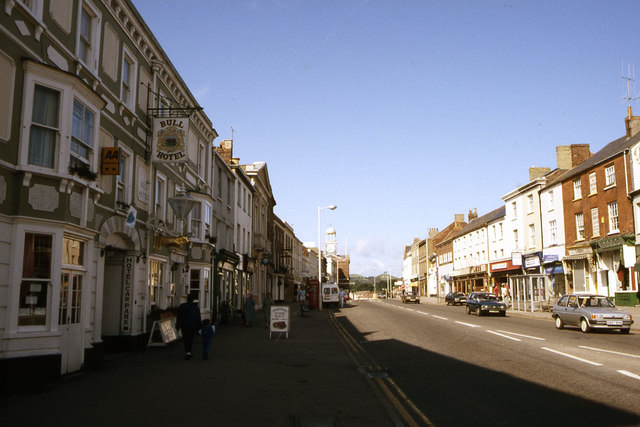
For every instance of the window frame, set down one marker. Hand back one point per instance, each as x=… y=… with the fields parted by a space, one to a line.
x=577 y=189
x=593 y=184
x=579 y=217
x=124 y=180
x=128 y=87
x=90 y=61
x=595 y=222
x=614 y=219
x=610 y=176
x=160 y=196
x=69 y=88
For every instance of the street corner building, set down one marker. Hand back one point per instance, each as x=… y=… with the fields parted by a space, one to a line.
x=111 y=191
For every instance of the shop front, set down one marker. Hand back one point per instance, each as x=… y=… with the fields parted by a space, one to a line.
x=579 y=269
x=616 y=261
x=500 y=272
x=471 y=279
x=553 y=269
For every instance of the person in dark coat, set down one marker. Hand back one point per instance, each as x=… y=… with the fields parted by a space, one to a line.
x=189 y=322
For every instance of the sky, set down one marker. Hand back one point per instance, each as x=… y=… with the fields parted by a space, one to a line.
x=402 y=113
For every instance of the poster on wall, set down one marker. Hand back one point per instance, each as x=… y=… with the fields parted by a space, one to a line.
x=279 y=320
x=170 y=140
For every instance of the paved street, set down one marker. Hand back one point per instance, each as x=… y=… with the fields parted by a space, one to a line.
x=500 y=371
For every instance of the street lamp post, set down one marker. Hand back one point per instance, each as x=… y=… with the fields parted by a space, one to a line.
x=331 y=207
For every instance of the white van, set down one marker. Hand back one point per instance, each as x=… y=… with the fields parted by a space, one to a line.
x=330 y=294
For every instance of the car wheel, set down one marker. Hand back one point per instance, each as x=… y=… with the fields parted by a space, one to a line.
x=468 y=310
x=624 y=330
x=448 y=303
x=559 y=323
x=478 y=312
x=584 y=326
x=503 y=314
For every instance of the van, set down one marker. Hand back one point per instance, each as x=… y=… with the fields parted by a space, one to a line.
x=330 y=294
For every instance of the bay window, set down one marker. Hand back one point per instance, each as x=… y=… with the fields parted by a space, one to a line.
x=36 y=280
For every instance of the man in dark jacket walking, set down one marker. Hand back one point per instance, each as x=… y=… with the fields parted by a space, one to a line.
x=189 y=322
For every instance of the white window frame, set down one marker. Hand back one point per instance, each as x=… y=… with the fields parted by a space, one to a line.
x=595 y=222
x=195 y=221
x=160 y=196
x=128 y=88
x=610 y=176
x=83 y=141
x=206 y=220
x=91 y=60
x=69 y=88
x=553 y=232
x=593 y=184
x=579 y=226
x=532 y=235
x=124 y=179
x=577 y=189
x=530 y=203
x=614 y=222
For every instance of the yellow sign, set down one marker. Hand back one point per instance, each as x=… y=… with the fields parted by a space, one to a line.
x=110 y=161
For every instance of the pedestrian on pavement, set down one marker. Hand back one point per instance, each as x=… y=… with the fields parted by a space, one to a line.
x=207 y=332
x=302 y=296
x=266 y=309
x=249 y=310
x=188 y=321
x=341 y=296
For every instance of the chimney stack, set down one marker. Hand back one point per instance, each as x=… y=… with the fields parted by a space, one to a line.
x=535 y=172
x=458 y=218
x=570 y=156
x=226 y=151
x=472 y=214
x=631 y=123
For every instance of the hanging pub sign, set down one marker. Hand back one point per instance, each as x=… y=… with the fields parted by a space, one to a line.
x=169 y=140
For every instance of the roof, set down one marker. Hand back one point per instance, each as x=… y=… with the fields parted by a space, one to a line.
x=609 y=151
x=482 y=221
x=449 y=232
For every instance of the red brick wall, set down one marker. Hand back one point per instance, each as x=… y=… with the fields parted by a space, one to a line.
x=601 y=200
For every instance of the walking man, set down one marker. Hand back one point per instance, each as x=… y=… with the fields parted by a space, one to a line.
x=189 y=322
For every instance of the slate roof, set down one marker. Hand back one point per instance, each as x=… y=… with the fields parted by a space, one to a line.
x=482 y=221
x=608 y=152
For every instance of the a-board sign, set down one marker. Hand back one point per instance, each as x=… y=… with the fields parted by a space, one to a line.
x=162 y=333
x=279 y=320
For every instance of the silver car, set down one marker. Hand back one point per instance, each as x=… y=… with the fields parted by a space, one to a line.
x=590 y=311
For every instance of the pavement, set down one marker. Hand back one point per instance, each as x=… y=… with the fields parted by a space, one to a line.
x=250 y=379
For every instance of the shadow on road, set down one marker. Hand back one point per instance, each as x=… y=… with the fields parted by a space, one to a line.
x=451 y=392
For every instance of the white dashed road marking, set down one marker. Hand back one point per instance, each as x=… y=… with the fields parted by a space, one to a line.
x=503 y=335
x=609 y=351
x=440 y=317
x=468 y=324
x=572 y=357
x=629 y=374
x=521 y=335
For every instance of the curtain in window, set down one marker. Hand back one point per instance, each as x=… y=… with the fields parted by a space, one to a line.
x=42 y=136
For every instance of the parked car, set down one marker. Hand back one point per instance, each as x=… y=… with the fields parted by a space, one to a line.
x=382 y=295
x=589 y=311
x=453 y=298
x=410 y=297
x=485 y=303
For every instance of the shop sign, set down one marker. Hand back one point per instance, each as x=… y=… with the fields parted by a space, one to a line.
x=279 y=320
x=127 y=295
x=169 y=140
x=516 y=258
x=550 y=258
x=532 y=261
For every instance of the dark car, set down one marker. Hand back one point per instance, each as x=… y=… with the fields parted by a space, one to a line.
x=410 y=297
x=485 y=303
x=590 y=311
x=453 y=298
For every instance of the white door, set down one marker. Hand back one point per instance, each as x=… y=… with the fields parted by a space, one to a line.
x=70 y=321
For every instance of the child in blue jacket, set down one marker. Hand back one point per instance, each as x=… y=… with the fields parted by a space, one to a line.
x=207 y=332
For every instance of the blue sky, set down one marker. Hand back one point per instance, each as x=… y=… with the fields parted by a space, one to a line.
x=402 y=113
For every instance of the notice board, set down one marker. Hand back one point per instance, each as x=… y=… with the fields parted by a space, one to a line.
x=162 y=333
x=279 y=320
